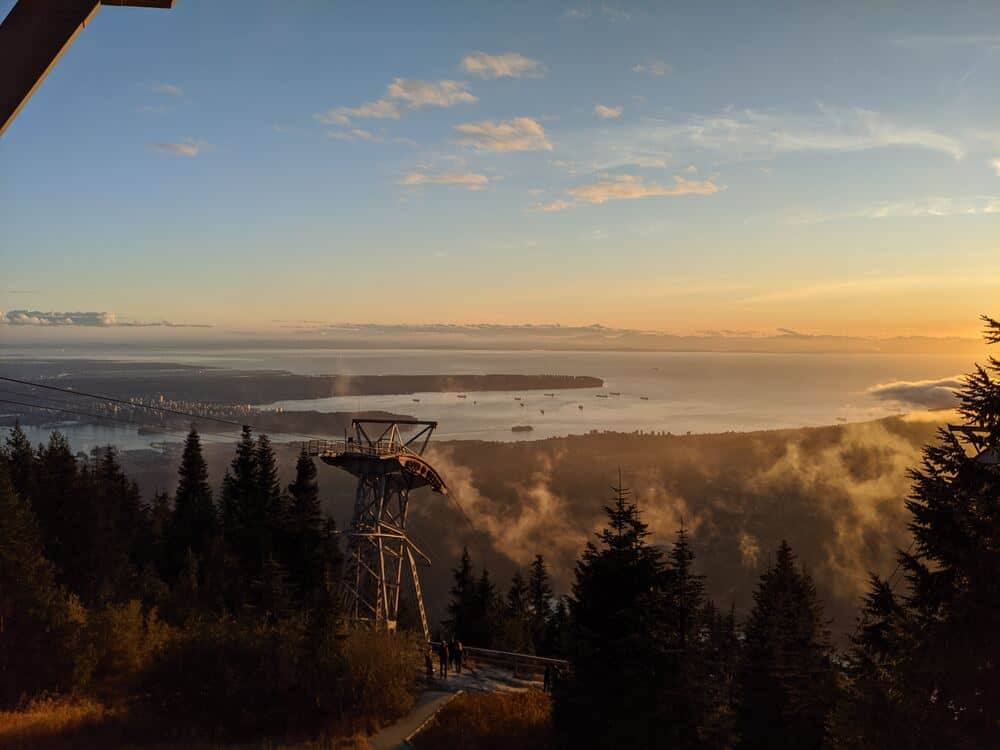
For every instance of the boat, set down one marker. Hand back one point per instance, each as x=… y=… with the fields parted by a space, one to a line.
x=462 y=395
x=517 y=398
x=522 y=428
x=615 y=393
x=416 y=400
x=644 y=398
x=542 y=411
x=601 y=395
x=550 y=395
x=581 y=407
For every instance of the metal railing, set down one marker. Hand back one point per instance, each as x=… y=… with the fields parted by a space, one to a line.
x=521 y=665
x=335 y=447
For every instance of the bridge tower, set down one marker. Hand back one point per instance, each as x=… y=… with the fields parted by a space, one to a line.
x=379 y=553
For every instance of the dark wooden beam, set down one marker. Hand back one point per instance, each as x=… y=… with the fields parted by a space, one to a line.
x=34 y=36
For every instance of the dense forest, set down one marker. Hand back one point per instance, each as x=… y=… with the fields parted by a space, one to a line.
x=215 y=614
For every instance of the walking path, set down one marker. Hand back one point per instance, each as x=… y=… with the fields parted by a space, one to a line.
x=437 y=695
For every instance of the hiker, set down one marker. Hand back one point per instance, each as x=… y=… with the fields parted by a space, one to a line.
x=443 y=659
x=429 y=663
x=547 y=679
x=458 y=656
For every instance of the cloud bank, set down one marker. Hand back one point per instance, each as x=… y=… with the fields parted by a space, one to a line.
x=83 y=320
x=931 y=394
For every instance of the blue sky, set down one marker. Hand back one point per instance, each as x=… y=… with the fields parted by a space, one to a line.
x=824 y=168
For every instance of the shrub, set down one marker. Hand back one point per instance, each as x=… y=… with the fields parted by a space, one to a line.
x=492 y=721
x=123 y=640
x=246 y=678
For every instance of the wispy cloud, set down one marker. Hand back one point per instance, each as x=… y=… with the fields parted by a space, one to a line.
x=469 y=180
x=653 y=67
x=166 y=88
x=581 y=13
x=82 y=319
x=629 y=187
x=754 y=134
x=507 y=65
x=517 y=134
x=188 y=147
x=921 y=208
x=867 y=286
x=608 y=113
x=615 y=13
x=995 y=163
x=553 y=206
x=917 y=41
x=355 y=134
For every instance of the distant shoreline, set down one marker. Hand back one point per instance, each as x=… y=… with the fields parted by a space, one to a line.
x=178 y=382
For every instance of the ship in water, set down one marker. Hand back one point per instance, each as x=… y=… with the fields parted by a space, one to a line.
x=550 y=395
x=522 y=428
x=615 y=393
x=462 y=395
x=644 y=398
x=601 y=395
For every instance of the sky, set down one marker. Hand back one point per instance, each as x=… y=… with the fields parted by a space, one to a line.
x=832 y=168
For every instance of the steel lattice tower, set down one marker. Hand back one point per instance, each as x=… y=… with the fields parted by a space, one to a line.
x=378 y=549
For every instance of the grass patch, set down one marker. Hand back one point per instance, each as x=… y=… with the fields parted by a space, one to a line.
x=74 y=723
x=492 y=721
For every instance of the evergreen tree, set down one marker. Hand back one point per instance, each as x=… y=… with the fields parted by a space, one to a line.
x=786 y=679
x=194 y=524
x=462 y=605
x=160 y=516
x=872 y=712
x=615 y=650
x=65 y=514
x=270 y=498
x=20 y=460
x=517 y=597
x=930 y=658
x=686 y=695
x=720 y=657
x=539 y=601
x=557 y=630
x=121 y=545
x=514 y=628
x=36 y=629
x=244 y=521
x=486 y=612
x=304 y=544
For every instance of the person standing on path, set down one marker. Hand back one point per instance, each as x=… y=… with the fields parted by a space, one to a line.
x=429 y=662
x=443 y=659
x=459 y=652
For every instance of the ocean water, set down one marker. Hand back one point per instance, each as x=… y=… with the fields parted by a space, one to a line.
x=659 y=392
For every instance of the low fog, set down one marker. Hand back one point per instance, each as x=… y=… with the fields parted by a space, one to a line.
x=835 y=493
